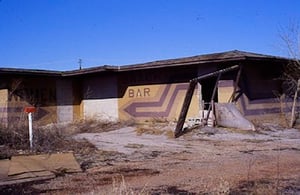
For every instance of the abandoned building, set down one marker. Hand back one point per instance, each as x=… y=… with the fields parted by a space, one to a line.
x=143 y=91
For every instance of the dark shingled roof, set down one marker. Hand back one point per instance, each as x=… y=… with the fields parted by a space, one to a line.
x=228 y=56
x=21 y=71
x=206 y=58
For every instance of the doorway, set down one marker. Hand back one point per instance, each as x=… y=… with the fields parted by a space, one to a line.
x=207 y=88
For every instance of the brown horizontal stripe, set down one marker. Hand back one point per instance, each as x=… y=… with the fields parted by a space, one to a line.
x=261 y=111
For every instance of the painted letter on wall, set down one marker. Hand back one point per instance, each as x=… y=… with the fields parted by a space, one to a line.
x=155 y=101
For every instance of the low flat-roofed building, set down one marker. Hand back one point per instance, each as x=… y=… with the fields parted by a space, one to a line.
x=142 y=91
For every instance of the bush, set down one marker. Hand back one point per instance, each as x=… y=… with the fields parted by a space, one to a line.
x=15 y=138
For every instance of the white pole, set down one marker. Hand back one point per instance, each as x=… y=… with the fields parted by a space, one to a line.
x=30 y=128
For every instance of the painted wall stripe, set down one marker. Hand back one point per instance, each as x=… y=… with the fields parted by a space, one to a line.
x=132 y=108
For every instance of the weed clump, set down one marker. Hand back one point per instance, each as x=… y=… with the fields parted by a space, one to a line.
x=53 y=138
x=50 y=139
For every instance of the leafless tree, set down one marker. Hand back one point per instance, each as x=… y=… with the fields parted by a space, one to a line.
x=291 y=75
x=290 y=37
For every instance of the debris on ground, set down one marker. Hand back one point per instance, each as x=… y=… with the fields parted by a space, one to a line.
x=144 y=159
x=28 y=168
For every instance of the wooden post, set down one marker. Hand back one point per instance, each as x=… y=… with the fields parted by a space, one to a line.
x=212 y=98
x=29 y=111
x=294 y=104
x=237 y=80
x=201 y=107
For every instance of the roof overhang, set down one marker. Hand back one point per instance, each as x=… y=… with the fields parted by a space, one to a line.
x=32 y=72
x=224 y=57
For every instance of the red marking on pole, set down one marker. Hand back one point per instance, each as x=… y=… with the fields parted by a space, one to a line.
x=29 y=109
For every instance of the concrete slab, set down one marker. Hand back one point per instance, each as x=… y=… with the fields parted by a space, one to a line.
x=126 y=140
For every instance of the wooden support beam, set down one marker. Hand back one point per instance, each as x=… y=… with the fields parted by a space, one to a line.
x=236 y=83
x=212 y=74
x=212 y=98
x=185 y=108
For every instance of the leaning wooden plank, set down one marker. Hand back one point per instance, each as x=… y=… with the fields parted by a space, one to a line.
x=19 y=181
x=212 y=74
x=185 y=107
x=33 y=174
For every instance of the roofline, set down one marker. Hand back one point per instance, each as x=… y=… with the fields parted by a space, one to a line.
x=36 y=72
x=143 y=66
x=105 y=68
x=221 y=57
x=192 y=62
x=172 y=62
x=179 y=62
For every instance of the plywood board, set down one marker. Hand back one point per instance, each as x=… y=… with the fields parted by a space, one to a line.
x=4 y=167
x=36 y=167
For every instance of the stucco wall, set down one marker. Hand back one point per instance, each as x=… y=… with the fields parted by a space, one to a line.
x=225 y=90
x=148 y=102
x=101 y=109
x=64 y=96
x=100 y=99
x=155 y=94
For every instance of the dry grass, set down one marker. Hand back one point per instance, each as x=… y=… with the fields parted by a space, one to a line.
x=148 y=130
x=155 y=131
x=170 y=134
x=156 y=126
x=14 y=137
x=255 y=187
x=51 y=138
x=96 y=126
x=120 y=187
x=100 y=180
x=134 y=146
x=282 y=120
x=238 y=131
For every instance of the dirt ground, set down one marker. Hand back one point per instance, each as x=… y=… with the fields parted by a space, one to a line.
x=147 y=160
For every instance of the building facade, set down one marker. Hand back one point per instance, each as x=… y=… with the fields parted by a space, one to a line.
x=142 y=92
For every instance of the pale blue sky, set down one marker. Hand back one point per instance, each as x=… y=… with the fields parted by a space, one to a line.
x=54 y=34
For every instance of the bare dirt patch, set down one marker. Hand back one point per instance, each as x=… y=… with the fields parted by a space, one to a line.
x=204 y=161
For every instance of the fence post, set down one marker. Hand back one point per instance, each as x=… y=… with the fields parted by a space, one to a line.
x=29 y=111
